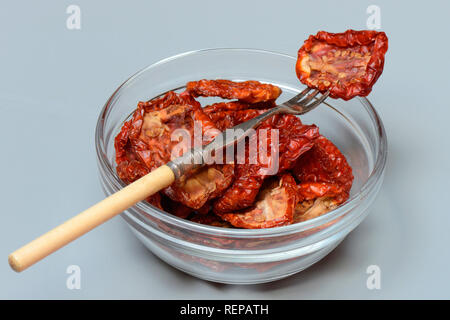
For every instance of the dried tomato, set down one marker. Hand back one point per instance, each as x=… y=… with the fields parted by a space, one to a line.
x=121 y=141
x=131 y=170
x=309 y=209
x=145 y=143
x=274 y=206
x=155 y=200
x=169 y=99
x=325 y=180
x=151 y=132
x=248 y=91
x=242 y=193
x=205 y=209
x=229 y=114
x=176 y=208
x=347 y=64
x=323 y=171
x=313 y=190
x=228 y=119
x=129 y=166
x=294 y=139
x=205 y=184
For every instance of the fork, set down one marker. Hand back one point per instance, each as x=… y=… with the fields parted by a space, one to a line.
x=197 y=157
x=148 y=185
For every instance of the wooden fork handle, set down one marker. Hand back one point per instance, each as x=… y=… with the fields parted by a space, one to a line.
x=70 y=230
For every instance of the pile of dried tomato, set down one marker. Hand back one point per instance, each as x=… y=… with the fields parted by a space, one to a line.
x=313 y=176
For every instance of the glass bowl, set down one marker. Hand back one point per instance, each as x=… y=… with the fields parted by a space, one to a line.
x=241 y=256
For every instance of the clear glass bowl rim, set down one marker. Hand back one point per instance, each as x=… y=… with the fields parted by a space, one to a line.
x=117 y=184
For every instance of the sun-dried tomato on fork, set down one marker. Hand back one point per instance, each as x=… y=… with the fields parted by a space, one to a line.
x=347 y=64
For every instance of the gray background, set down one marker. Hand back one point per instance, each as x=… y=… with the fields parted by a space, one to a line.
x=54 y=81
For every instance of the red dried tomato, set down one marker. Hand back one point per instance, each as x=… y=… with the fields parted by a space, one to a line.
x=155 y=200
x=294 y=139
x=228 y=119
x=120 y=143
x=205 y=209
x=229 y=114
x=176 y=208
x=313 y=190
x=242 y=193
x=248 y=91
x=323 y=171
x=129 y=167
x=145 y=143
x=347 y=64
x=169 y=99
x=207 y=183
x=150 y=133
x=309 y=209
x=131 y=170
x=274 y=206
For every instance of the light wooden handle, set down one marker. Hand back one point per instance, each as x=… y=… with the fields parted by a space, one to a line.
x=87 y=220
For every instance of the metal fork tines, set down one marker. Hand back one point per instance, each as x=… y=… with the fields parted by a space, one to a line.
x=301 y=105
x=196 y=157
